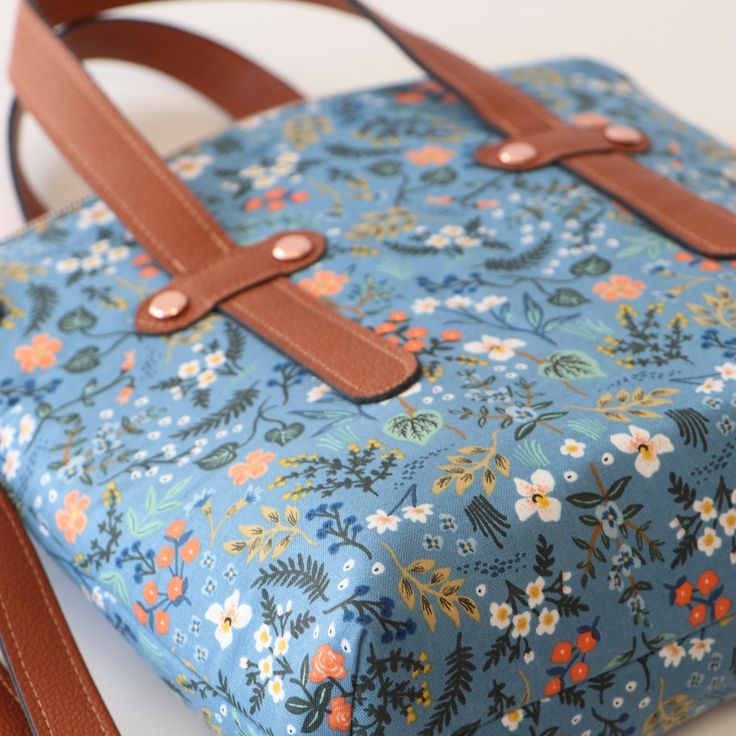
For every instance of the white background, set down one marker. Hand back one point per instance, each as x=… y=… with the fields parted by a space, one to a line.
x=682 y=52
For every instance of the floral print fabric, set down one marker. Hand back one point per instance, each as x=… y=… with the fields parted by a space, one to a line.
x=538 y=537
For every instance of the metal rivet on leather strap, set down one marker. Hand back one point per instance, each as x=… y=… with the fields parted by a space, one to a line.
x=292 y=247
x=624 y=135
x=168 y=304
x=517 y=153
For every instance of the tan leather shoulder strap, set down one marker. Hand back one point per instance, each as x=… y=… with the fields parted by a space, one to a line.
x=51 y=680
x=234 y=82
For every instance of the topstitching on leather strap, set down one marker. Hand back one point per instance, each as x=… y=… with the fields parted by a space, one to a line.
x=22 y=542
x=151 y=162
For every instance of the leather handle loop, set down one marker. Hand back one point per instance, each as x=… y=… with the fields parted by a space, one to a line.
x=233 y=82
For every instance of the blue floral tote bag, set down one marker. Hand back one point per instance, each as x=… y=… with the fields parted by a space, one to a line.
x=407 y=411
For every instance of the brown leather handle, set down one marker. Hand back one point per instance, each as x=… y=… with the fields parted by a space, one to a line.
x=232 y=81
x=50 y=686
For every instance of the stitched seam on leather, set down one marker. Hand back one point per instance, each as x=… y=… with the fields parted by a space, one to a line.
x=300 y=350
x=109 y=195
x=6 y=616
x=343 y=323
x=339 y=378
x=715 y=210
x=20 y=536
x=147 y=159
x=495 y=117
x=9 y=689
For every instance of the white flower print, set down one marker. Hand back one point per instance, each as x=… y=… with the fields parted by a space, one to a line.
x=262 y=637
x=728 y=521
x=710 y=386
x=437 y=241
x=522 y=624
x=11 y=464
x=381 y=521
x=188 y=369
x=281 y=644
x=727 y=371
x=427 y=305
x=458 y=301
x=494 y=347
x=27 y=426
x=67 y=265
x=276 y=689
x=647 y=448
x=490 y=302
x=317 y=392
x=699 y=648
x=536 y=498
x=501 y=615
x=215 y=359
x=535 y=592
x=706 y=508
x=7 y=434
x=672 y=654
x=573 y=448
x=265 y=668
x=190 y=167
x=206 y=378
x=548 y=619
x=709 y=542
x=227 y=617
x=418 y=513
x=512 y=720
x=96 y=214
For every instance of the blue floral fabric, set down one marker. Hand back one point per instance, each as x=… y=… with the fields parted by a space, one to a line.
x=538 y=537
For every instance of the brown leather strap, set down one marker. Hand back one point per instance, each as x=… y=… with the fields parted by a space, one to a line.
x=682 y=214
x=175 y=227
x=49 y=675
x=542 y=149
x=12 y=716
x=234 y=82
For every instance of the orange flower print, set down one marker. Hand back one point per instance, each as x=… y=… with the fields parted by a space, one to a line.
x=190 y=550
x=341 y=714
x=327 y=663
x=553 y=687
x=276 y=199
x=430 y=156
x=683 y=593
x=324 y=283
x=254 y=466
x=140 y=613
x=71 y=519
x=41 y=353
x=150 y=592
x=721 y=607
x=161 y=622
x=124 y=396
x=619 y=287
x=175 y=529
x=129 y=361
x=165 y=556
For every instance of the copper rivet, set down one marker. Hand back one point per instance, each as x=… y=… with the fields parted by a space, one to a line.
x=167 y=304
x=291 y=247
x=515 y=154
x=624 y=135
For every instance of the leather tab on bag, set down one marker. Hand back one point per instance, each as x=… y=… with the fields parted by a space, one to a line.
x=522 y=153
x=203 y=289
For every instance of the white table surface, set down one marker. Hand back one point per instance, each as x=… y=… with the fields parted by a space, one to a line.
x=682 y=52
